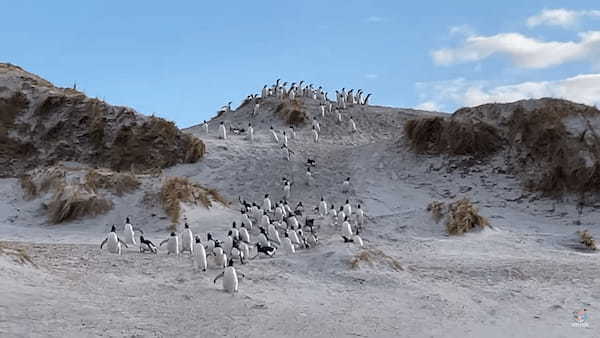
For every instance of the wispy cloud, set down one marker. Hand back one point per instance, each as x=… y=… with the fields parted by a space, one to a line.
x=456 y=93
x=560 y=17
x=524 y=51
x=429 y=106
x=375 y=19
x=464 y=30
x=371 y=76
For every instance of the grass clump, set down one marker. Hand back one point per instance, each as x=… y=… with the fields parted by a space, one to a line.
x=437 y=210
x=371 y=256
x=177 y=190
x=76 y=201
x=292 y=113
x=19 y=255
x=117 y=183
x=464 y=217
x=587 y=240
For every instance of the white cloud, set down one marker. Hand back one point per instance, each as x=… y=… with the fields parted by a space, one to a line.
x=375 y=19
x=460 y=92
x=371 y=76
x=465 y=30
x=560 y=17
x=429 y=106
x=524 y=51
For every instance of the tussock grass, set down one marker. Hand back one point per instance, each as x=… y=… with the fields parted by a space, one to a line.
x=372 y=256
x=76 y=201
x=464 y=217
x=587 y=240
x=292 y=113
x=117 y=183
x=177 y=190
x=42 y=180
x=437 y=135
x=19 y=255
x=437 y=210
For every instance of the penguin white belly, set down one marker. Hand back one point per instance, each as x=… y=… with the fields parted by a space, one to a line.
x=113 y=244
x=235 y=233
x=244 y=235
x=228 y=244
x=294 y=237
x=222 y=132
x=263 y=241
x=348 y=210
x=315 y=136
x=236 y=253
x=358 y=241
x=323 y=208
x=187 y=241
x=275 y=137
x=129 y=235
x=173 y=245
x=288 y=246
x=230 y=280
x=273 y=234
x=346 y=230
x=251 y=134
x=312 y=240
x=245 y=249
x=286 y=191
x=265 y=221
x=200 y=254
x=341 y=216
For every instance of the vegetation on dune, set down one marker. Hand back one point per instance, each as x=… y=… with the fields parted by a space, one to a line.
x=19 y=255
x=372 y=256
x=74 y=202
x=587 y=240
x=177 y=190
x=117 y=183
x=292 y=113
x=464 y=217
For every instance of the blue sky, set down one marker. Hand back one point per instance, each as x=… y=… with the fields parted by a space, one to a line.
x=184 y=59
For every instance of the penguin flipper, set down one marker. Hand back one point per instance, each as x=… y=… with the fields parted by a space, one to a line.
x=103 y=242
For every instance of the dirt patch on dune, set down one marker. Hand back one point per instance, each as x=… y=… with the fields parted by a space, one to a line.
x=292 y=113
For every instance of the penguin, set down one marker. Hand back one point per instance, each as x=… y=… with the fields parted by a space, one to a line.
x=347 y=233
x=293 y=235
x=250 y=132
x=274 y=135
x=287 y=244
x=147 y=245
x=352 y=125
x=284 y=139
x=366 y=101
x=293 y=222
x=128 y=233
x=210 y=242
x=315 y=134
x=279 y=213
x=200 y=254
x=286 y=208
x=265 y=221
x=172 y=244
x=264 y=93
x=341 y=215
x=255 y=109
x=312 y=239
x=267 y=204
x=287 y=153
x=244 y=235
x=273 y=234
x=187 y=240
x=322 y=107
x=348 y=209
x=360 y=216
x=322 y=207
x=339 y=117
x=245 y=249
x=114 y=242
x=236 y=252
x=262 y=238
x=228 y=242
x=246 y=220
x=334 y=215
x=222 y=131
x=346 y=185
x=286 y=190
x=205 y=127
x=308 y=176
x=235 y=232
x=316 y=125
x=267 y=250
x=230 y=278
x=357 y=239
x=220 y=256
x=292 y=132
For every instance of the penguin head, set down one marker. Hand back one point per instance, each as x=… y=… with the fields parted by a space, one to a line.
x=243 y=225
x=322 y=199
x=249 y=124
x=127 y=220
x=141 y=238
x=186 y=226
x=230 y=263
x=271 y=128
x=286 y=235
x=221 y=122
x=230 y=233
x=173 y=234
x=266 y=195
x=347 y=202
x=209 y=236
x=198 y=239
x=234 y=225
x=359 y=206
x=113 y=228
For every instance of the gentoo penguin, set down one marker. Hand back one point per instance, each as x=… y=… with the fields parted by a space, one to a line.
x=341 y=215
x=322 y=107
x=346 y=185
x=333 y=214
x=287 y=244
x=265 y=221
x=279 y=213
x=230 y=278
x=299 y=210
x=286 y=208
x=292 y=132
x=250 y=132
x=187 y=240
x=286 y=190
x=347 y=233
x=245 y=249
x=222 y=131
x=315 y=134
x=312 y=239
x=339 y=117
x=274 y=234
x=308 y=176
x=128 y=233
x=316 y=125
x=267 y=204
x=244 y=235
x=235 y=231
x=293 y=222
x=267 y=250
x=236 y=252
x=246 y=220
x=352 y=125
x=228 y=242
x=357 y=239
x=172 y=244
x=210 y=242
x=262 y=238
x=147 y=245
x=255 y=109
x=287 y=153
x=274 y=135
x=264 y=93
x=360 y=216
x=220 y=256
x=322 y=207
x=293 y=235
x=114 y=242
x=200 y=254
x=366 y=101
x=205 y=126
x=348 y=209
x=284 y=139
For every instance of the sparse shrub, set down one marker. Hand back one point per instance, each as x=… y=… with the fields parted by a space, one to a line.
x=117 y=183
x=437 y=210
x=463 y=217
x=75 y=201
x=176 y=190
x=292 y=113
x=587 y=239
x=19 y=255
x=372 y=256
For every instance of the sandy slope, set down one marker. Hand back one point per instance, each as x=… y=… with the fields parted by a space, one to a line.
x=522 y=279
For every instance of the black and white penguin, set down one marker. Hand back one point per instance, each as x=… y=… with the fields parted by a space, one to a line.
x=346 y=185
x=287 y=190
x=287 y=244
x=265 y=221
x=210 y=242
x=315 y=134
x=230 y=278
x=128 y=232
x=360 y=216
x=274 y=135
x=267 y=204
x=114 y=242
x=348 y=209
x=322 y=207
x=366 y=100
x=250 y=132
x=266 y=250
x=200 y=254
x=228 y=242
x=244 y=235
x=316 y=125
x=205 y=127
x=352 y=125
x=147 y=245
x=347 y=233
x=187 y=240
x=172 y=244
x=341 y=215
x=236 y=252
x=222 y=131
x=333 y=214
x=262 y=238
x=273 y=234
x=220 y=256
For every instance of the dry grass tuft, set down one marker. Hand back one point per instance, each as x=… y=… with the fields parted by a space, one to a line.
x=76 y=201
x=292 y=113
x=177 y=190
x=117 y=183
x=464 y=217
x=42 y=180
x=587 y=239
x=19 y=255
x=371 y=256
x=437 y=210
x=437 y=135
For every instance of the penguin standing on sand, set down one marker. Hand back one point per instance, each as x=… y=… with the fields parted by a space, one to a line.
x=210 y=242
x=347 y=233
x=274 y=234
x=236 y=252
x=205 y=127
x=234 y=231
x=228 y=242
x=341 y=215
x=230 y=278
x=246 y=220
x=287 y=244
x=147 y=245
x=346 y=185
x=322 y=107
x=316 y=125
x=322 y=207
x=286 y=190
x=222 y=131
x=220 y=256
x=360 y=216
x=250 y=132
x=128 y=233
x=292 y=132
x=293 y=235
x=187 y=240
x=200 y=254
x=315 y=134
x=333 y=215
x=114 y=242
x=172 y=244
x=274 y=135
x=244 y=235
x=339 y=116
x=348 y=209
x=308 y=176
x=262 y=238
x=284 y=139
x=352 y=125
x=267 y=204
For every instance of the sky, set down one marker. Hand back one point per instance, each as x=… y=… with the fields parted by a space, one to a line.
x=182 y=60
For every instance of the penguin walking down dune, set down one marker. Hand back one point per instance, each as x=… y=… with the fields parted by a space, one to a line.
x=114 y=242
x=308 y=176
x=172 y=244
x=205 y=127
x=274 y=135
x=200 y=254
x=341 y=215
x=292 y=132
x=348 y=209
x=187 y=240
x=347 y=234
x=284 y=139
x=287 y=190
x=315 y=134
x=322 y=107
x=244 y=235
x=316 y=124
x=267 y=204
x=287 y=244
x=322 y=207
x=250 y=132
x=220 y=256
x=128 y=233
x=360 y=216
x=222 y=131
x=230 y=278
x=210 y=242
x=346 y=185
x=147 y=245
x=339 y=116
x=333 y=214
x=352 y=125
